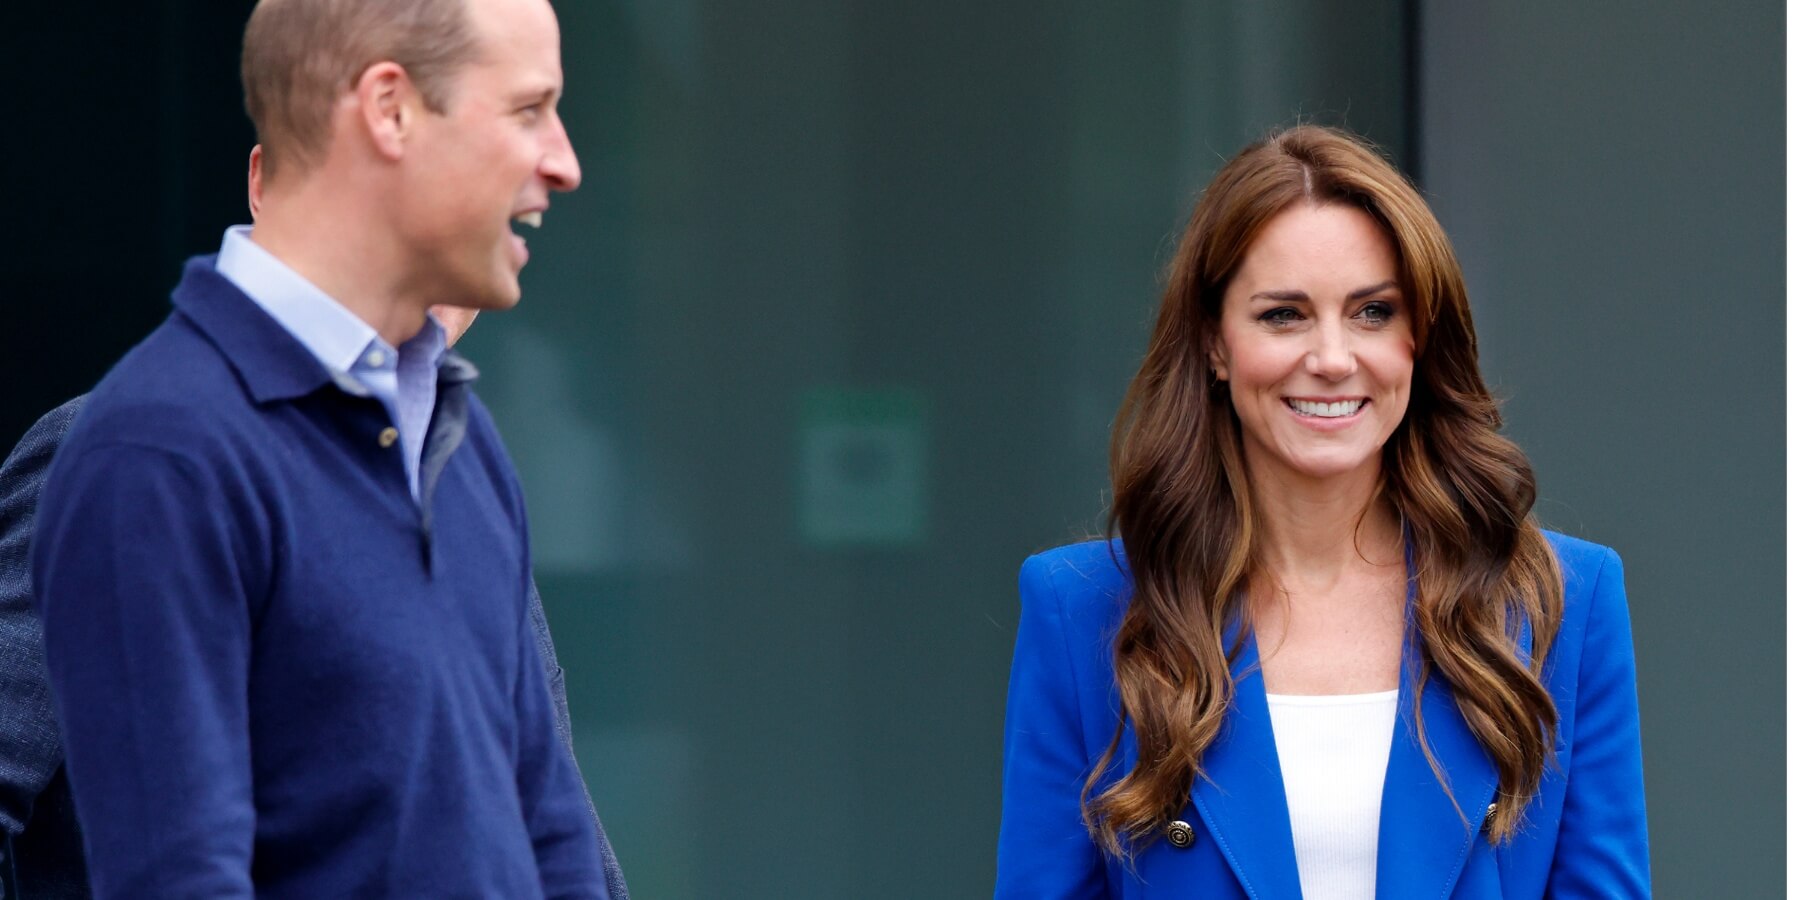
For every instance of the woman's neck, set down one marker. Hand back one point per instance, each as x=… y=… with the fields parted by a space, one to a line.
x=1313 y=531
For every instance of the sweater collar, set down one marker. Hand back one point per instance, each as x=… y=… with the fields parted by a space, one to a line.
x=272 y=364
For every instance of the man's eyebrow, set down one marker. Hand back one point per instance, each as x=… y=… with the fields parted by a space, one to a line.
x=1371 y=290
x=537 y=95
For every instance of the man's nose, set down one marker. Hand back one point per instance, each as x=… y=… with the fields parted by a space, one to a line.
x=560 y=167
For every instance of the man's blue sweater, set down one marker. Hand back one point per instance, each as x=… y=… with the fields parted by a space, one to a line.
x=277 y=674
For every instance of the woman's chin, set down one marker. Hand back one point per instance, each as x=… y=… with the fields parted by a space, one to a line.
x=1323 y=468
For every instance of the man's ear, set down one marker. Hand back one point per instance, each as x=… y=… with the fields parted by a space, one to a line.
x=255 y=186
x=387 y=105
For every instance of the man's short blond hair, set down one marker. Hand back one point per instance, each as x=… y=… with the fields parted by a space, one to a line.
x=300 y=56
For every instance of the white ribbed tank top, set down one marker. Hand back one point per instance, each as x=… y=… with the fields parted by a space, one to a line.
x=1334 y=754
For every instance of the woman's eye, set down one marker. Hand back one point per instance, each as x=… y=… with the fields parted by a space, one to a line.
x=1280 y=315
x=1376 y=312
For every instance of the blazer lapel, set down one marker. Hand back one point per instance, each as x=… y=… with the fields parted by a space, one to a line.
x=1240 y=795
x=1424 y=841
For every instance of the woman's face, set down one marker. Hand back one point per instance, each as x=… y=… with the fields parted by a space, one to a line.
x=1315 y=343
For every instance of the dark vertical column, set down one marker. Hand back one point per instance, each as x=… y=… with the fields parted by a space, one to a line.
x=121 y=117
x=1411 y=38
x=1612 y=177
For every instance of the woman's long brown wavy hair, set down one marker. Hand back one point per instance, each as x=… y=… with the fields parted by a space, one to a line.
x=1483 y=577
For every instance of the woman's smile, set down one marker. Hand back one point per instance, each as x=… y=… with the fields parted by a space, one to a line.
x=1328 y=415
x=1315 y=344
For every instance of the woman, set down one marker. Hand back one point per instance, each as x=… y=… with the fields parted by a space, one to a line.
x=1331 y=654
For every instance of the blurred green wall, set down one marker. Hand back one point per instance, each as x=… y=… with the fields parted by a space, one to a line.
x=827 y=343
x=831 y=336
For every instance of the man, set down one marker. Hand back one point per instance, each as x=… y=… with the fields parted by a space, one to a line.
x=40 y=847
x=40 y=839
x=280 y=559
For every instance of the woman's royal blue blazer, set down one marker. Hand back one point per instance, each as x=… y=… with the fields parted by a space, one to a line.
x=1584 y=835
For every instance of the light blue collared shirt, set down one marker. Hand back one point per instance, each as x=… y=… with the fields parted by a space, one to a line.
x=404 y=380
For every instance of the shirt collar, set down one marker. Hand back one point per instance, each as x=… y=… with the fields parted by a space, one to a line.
x=430 y=343
x=272 y=364
x=333 y=334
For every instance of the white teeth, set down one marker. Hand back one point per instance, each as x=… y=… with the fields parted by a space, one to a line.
x=533 y=219
x=1325 y=410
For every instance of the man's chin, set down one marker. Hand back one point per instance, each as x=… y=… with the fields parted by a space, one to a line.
x=503 y=294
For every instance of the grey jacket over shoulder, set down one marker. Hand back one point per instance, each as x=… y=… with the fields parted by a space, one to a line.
x=40 y=840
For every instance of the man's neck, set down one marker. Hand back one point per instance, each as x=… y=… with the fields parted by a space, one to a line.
x=347 y=260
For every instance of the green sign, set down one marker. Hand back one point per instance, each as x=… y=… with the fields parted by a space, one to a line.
x=862 y=466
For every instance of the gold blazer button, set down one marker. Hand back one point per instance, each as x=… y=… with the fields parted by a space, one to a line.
x=1180 y=834
x=387 y=437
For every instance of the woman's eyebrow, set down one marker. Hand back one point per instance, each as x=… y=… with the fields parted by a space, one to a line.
x=1290 y=296
x=1360 y=293
x=1281 y=296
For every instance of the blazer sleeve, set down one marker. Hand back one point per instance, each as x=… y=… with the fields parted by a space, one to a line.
x=1045 y=851
x=32 y=752
x=559 y=701
x=1603 y=844
x=557 y=812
